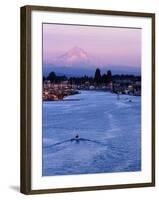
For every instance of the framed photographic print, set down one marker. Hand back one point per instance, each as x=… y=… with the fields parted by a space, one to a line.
x=87 y=99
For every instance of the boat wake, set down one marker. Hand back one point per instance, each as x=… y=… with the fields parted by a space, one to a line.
x=76 y=141
x=73 y=142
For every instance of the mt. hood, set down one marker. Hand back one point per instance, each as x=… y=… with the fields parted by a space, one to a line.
x=74 y=57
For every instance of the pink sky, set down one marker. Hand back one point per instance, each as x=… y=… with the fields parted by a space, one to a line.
x=106 y=45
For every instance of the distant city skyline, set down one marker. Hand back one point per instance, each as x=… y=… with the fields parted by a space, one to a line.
x=104 y=45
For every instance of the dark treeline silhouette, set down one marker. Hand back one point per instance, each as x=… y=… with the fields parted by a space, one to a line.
x=97 y=79
x=53 y=78
x=81 y=80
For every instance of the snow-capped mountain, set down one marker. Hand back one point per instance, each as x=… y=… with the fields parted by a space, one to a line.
x=77 y=62
x=74 y=57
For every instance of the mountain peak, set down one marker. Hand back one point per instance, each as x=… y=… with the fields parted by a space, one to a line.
x=74 y=56
x=76 y=49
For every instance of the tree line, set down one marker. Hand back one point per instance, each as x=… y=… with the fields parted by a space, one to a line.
x=97 y=79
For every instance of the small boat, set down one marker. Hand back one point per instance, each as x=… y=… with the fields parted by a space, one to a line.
x=77 y=137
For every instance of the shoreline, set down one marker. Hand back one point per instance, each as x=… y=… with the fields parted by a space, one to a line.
x=103 y=91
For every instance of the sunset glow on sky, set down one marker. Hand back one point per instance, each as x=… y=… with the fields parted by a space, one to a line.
x=105 y=45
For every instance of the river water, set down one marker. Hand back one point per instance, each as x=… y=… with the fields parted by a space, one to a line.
x=109 y=132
